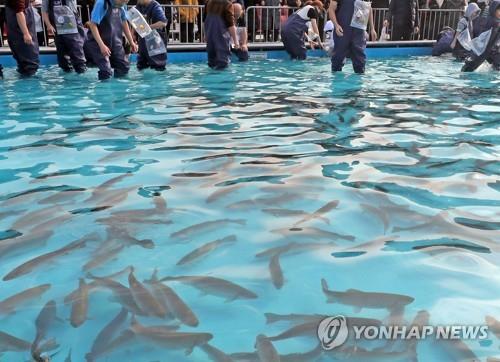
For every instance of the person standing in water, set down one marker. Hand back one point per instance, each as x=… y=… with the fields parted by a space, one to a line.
x=220 y=29
x=22 y=37
x=152 y=56
x=294 y=30
x=61 y=18
x=241 y=31
x=350 y=18
x=104 y=46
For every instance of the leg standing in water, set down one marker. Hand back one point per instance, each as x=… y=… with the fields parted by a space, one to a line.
x=22 y=37
x=62 y=19
x=350 y=18
x=105 y=40
x=294 y=30
x=241 y=30
x=220 y=29
x=151 y=53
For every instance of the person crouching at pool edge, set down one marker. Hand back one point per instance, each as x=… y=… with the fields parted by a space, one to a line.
x=154 y=15
x=62 y=19
x=22 y=37
x=294 y=30
x=104 y=46
x=465 y=32
x=241 y=32
x=220 y=29
x=350 y=18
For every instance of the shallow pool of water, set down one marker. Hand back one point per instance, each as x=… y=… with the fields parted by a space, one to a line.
x=386 y=183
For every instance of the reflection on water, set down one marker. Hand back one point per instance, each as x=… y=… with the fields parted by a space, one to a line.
x=197 y=215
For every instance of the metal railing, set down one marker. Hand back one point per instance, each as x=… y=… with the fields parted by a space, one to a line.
x=264 y=23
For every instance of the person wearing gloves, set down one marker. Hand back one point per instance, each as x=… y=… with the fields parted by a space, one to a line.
x=62 y=20
x=490 y=39
x=153 y=56
x=220 y=30
x=21 y=34
x=464 y=32
x=350 y=17
x=296 y=27
x=104 y=45
x=241 y=31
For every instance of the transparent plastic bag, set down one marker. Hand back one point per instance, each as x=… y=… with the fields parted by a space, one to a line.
x=65 y=20
x=155 y=44
x=361 y=14
x=138 y=22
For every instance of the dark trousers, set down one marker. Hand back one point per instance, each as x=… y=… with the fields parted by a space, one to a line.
x=352 y=44
x=187 y=35
x=117 y=62
x=70 y=51
x=401 y=32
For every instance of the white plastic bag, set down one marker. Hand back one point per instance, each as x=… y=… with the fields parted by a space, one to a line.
x=138 y=22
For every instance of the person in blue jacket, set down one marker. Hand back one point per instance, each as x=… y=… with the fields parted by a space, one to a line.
x=152 y=55
x=481 y=22
x=443 y=42
x=350 y=17
x=104 y=46
x=294 y=30
x=491 y=53
x=220 y=29
x=62 y=19
x=22 y=37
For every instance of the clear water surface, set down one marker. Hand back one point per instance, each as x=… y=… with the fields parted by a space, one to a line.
x=410 y=151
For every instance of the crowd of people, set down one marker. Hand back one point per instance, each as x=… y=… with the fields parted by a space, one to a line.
x=105 y=38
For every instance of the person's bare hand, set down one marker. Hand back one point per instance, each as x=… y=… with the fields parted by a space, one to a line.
x=28 y=39
x=105 y=51
x=134 y=47
x=51 y=31
x=339 y=30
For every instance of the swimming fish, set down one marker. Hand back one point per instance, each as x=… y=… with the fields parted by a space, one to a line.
x=10 y=343
x=144 y=299
x=80 y=305
x=34 y=263
x=215 y=354
x=221 y=192
x=276 y=272
x=311 y=233
x=43 y=321
x=10 y=304
x=175 y=304
x=294 y=248
x=204 y=227
x=305 y=329
x=316 y=318
x=27 y=221
x=377 y=212
x=103 y=255
x=121 y=293
x=33 y=239
x=106 y=334
x=121 y=235
x=205 y=249
x=101 y=189
x=171 y=340
x=62 y=196
x=318 y=213
x=308 y=356
x=266 y=350
x=359 y=299
x=493 y=325
x=215 y=286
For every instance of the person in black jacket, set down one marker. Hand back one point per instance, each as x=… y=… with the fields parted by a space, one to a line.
x=404 y=18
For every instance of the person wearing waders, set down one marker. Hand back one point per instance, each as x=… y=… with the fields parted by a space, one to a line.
x=152 y=50
x=61 y=18
x=22 y=37
x=488 y=42
x=294 y=30
x=350 y=18
x=220 y=29
x=104 y=46
x=241 y=30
